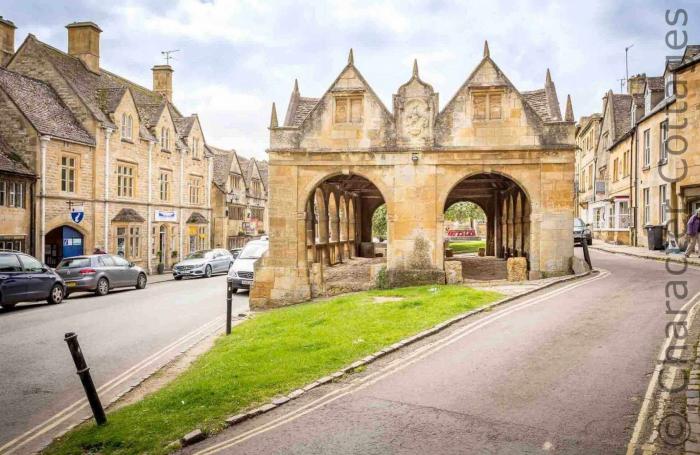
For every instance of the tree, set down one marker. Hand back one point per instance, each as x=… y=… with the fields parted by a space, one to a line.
x=379 y=222
x=463 y=212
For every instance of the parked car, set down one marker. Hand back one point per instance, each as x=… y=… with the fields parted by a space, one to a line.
x=235 y=252
x=582 y=232
x=242 y=270
x=203 y=263
x=24 y=279
x=99 y=273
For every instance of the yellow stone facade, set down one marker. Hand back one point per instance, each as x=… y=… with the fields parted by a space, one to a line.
x=348 y=147
x=144 y=181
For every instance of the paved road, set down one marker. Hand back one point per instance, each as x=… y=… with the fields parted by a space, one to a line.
x=116 y=332
x=565 y=376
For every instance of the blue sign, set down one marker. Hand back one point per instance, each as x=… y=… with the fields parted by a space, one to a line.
x=77 y=214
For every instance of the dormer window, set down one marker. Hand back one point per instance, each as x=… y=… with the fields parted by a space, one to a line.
x=668 y=85
x=647 y=101
x=348 y=109
x=487 y=106
x=165 y=138
x=195 y=148
x=127 y=126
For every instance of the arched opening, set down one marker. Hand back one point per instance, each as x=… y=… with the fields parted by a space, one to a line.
x=506 y=230
x=62 y=242
x=465 y=227
x=339 y=219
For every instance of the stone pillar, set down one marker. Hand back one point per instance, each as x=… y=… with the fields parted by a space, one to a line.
x=310 y=234
x=517 y=227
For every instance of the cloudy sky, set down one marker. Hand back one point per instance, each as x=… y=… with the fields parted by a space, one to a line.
x=238 y=56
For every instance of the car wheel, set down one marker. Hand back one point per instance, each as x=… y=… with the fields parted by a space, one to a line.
x=178 y=278
x=56 y=294
x=102 y=287
x=141 y=281
x=207 y=272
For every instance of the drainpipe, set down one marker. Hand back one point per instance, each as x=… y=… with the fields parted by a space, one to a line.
x=43 y=144
x=149 y=232
x=208 y=184
x=182 y=203
x=633 y=185
x=108 y=133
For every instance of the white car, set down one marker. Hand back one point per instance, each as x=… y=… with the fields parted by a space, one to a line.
x=203 y=263
x=241 y=272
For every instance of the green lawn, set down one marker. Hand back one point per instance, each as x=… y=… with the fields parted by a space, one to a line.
x=467 y=246
x=273 y=353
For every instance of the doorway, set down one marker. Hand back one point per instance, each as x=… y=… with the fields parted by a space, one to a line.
x=62 y=242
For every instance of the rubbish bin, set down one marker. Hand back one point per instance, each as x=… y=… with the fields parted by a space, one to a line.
x=655 y=236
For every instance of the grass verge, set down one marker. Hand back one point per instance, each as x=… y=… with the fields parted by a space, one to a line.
x=273 y=353
x=467 y=246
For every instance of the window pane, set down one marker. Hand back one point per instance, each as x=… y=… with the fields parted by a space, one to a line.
x=9 y=263
x=479 y=106
x=495 y=106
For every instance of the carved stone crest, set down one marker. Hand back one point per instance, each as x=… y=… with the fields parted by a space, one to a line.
x=416 y=119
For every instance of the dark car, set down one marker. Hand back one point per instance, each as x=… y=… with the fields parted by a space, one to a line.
x=582 y=233
x=25 y=279
x=99 y=273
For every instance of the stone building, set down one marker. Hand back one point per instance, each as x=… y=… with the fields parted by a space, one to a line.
x=17 y=189
x=239 y=198
x=336 y=158
x=122 y=155
x=587 y=132
x=647 y=155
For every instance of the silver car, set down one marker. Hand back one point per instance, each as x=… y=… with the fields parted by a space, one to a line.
x=99 y=273
x=203 y=263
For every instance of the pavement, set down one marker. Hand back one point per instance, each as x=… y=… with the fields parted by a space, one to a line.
x=563 y=370
x=125 y=336
x=645 y=253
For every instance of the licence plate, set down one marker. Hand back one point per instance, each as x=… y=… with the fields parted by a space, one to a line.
x=247 y=282
x=71 y=284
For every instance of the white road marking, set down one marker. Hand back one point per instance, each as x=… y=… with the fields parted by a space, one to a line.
x=79 y=405
x=648 y=397
x=395 y=366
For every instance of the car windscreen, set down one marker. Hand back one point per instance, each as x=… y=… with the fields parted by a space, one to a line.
x=198 y=254
x=72 y=263
x=253 y=251
x=578 y=223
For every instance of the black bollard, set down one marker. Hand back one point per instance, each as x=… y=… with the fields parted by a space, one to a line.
x=84 y=373
x=586 y=256
x=229 y=302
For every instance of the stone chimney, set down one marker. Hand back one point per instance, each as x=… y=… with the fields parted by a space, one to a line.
x=84 y=43
x=163 y=81
x=635 y=84
x=7 y=40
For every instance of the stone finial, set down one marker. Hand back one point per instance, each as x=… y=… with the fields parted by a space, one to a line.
x=273 y=117
x=351 y=58
x=415 y=67
x=548 y=80
x=486 y=49
x=296 y=86
x=569 y=115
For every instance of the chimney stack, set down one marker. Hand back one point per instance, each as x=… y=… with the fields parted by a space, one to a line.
x=635 y=84
x=84 y=43
x=7 y=41
x=163 y=81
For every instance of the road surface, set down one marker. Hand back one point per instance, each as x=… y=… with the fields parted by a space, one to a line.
x=125 y=329
x=565 y=374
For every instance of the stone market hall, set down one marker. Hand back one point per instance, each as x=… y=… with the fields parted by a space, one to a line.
x=334 y=160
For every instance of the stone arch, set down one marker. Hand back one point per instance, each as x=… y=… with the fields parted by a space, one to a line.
x=319 y=179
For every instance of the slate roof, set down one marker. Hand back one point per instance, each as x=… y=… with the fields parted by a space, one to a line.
x=43 y=108
x=299 y=110
x=263 y=168
x=621 y=109
x=196 y=218
x=537 y=99
x=102 y=92
x=128 y=215
x=11 y=162
x=222 y=160
x=655 y=83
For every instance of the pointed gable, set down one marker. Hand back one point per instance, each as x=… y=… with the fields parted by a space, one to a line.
x=488 y=100
x=349 y=115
